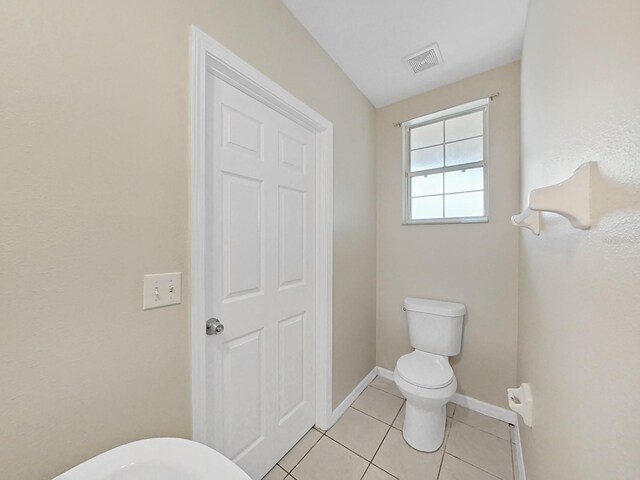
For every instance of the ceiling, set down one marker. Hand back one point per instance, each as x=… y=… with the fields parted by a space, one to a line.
x=369 y=38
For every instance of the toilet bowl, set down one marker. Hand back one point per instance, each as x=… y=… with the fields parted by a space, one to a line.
x=425 y=377
x=428 y=383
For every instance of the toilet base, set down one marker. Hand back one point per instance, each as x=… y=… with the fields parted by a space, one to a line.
x=426 y=413
x=424 y=429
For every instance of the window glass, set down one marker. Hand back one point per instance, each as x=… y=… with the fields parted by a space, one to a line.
x=427 y=135
x=460 y=205
x=425 y=208
x=465 y=126
x=464 y=180
x=424 y=158
x=426 y=185
x=465 y=151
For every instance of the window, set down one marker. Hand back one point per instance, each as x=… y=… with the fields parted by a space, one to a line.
x=445 y=166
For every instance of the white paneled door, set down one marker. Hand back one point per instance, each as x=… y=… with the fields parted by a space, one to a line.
x=260 y=278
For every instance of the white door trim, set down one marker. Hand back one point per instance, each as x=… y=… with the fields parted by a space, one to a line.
x=207 y=55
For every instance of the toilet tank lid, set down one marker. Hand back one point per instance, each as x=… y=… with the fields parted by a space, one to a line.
x=436 y=307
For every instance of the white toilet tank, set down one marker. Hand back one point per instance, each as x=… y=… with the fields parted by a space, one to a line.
x=435 y=326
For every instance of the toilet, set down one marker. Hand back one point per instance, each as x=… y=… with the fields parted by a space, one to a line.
x=424 y=376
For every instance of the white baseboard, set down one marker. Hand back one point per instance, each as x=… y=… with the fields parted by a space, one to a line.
x=485 y=408
x=346 y=403
x=519 y=466
x=385 y=373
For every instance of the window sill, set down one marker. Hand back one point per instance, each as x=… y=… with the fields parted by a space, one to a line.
x=447 y=221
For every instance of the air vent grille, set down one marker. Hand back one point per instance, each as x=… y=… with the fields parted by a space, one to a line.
x=424 y=59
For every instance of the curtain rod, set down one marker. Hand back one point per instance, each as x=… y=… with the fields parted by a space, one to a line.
x=490 y=97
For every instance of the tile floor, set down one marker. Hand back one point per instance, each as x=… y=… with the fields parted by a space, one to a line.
x=367 y=444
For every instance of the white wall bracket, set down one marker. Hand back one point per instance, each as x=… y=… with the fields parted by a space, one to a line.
x=521 y=402
x=527 y=219
x=571 y=199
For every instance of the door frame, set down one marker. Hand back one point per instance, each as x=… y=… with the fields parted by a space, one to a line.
x=208 y=55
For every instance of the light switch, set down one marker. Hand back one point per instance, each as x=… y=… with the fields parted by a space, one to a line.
x=162 y=289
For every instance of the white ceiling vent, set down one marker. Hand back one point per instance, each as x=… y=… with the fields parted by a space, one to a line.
x=424 y=59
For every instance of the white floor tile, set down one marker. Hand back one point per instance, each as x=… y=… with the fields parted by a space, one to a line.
x=299 y=450
x=399 y=459
x=399 y=421
x=482 y=422
x=386 y=385
x=455 y=469
x=276 y=473
x=374 y=473
x=378 y=404
x=481 y=449
x=359 y=432
x=330 y=460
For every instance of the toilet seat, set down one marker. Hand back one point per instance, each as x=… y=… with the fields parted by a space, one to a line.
x=425 y=370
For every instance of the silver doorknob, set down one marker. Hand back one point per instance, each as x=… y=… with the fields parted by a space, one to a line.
x=214 y=327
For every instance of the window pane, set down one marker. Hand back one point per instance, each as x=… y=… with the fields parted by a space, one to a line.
x=466 y=151
x=464 y=180
x=426 y=207
x=426 y=158
x=426 y=135
x=426 y=185
x=466 y=126
x=464 y=205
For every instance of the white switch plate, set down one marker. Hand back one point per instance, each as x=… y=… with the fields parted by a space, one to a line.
x=162 y=289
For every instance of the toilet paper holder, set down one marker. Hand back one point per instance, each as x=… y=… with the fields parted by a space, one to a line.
x=521 y=402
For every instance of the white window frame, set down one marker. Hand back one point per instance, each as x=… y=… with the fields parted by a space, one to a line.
x=460 y=110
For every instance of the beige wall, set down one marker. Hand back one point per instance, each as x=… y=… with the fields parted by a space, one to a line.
x=579 y=328
x=94 y=192
x=475 y=263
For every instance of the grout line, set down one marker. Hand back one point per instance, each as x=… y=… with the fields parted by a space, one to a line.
x=302 y=458
x=380 y=446
x=380 y=468
x=444 y=452
x=382 y=390
x=385 y=437
x=483 y=431
x=375 y=418
x=447 y=435
x=475 y=466
x=388 y=473
x=344 y=446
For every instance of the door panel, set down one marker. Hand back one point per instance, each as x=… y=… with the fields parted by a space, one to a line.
x=243 y=402
x=242 y=132
x=291 y=364
x=243 y=247
x=260 y=272
x=291 y=153
x=291 y=239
